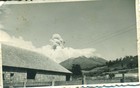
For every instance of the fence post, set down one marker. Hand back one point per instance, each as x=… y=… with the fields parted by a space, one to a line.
x=25 y=81
x=83 y=79
x=11 y=84
x=53 y=81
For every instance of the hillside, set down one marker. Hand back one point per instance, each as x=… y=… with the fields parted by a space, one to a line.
x=84 y=62
x=127 y=63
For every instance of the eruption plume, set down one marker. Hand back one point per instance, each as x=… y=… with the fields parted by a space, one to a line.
x=57 y=41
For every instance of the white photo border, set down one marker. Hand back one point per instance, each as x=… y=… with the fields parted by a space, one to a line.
x=88 y=85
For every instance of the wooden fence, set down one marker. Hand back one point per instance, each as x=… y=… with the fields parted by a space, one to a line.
x=27 y=84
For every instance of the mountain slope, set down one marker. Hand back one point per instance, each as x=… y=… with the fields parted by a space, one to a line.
x=84 y=62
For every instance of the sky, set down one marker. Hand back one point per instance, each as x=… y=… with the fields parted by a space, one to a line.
x=104 y=28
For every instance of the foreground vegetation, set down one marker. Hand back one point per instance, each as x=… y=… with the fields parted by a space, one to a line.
x=110 y=70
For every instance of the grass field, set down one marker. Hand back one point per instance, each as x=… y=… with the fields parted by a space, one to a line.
x=100 y=80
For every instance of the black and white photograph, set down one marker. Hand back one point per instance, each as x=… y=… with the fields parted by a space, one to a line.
x=68 y=43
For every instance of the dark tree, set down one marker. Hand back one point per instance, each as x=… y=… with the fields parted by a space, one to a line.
x=111 y=75
x=107 y=64
x=76 y=69
x=130 y=65
x=122 y=65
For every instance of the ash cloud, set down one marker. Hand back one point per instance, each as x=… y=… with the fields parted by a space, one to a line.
x=57 y=41
x=55 y=51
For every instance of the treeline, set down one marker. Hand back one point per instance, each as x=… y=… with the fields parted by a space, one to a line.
x=128 y=62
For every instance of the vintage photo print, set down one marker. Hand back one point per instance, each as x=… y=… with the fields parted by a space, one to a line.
x=87 y=42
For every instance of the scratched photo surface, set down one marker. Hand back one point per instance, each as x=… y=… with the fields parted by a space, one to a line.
x=68 y=43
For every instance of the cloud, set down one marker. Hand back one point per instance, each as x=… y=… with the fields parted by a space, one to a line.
x=1 y=3
x=56 y=51
x=57 y=41
x=19 y=42
x=61 y=54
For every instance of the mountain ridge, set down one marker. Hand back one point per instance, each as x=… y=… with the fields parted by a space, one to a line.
x=84 y=62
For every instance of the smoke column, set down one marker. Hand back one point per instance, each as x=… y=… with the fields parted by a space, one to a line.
x=57 y=41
